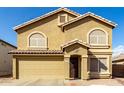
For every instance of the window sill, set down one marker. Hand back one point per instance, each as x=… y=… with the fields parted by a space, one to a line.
x=60 y=24
x=37 y=48
x=99 y=46
x=99 y=73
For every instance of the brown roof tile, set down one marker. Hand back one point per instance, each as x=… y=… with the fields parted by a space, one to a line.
x=36 y=52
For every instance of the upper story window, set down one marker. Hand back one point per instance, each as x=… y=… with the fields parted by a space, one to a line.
x=62 y=18
x=98 y=37
x=37 y=40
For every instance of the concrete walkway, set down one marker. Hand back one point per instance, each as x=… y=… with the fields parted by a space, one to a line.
x=42 y=82
x=104 y=82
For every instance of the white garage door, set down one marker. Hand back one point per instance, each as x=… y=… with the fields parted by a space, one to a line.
x=50 y=68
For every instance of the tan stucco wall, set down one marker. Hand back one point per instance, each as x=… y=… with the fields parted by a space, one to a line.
x=57 y=37
x=76 y=49
x=80 y=29
x=5 y=59
x=49 y=27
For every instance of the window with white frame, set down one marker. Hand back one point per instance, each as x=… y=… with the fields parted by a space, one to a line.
x=37 y=40
x=62 y=18
x=98 y=64
x=98 y=37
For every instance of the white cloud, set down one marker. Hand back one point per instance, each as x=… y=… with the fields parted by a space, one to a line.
x=118 y=50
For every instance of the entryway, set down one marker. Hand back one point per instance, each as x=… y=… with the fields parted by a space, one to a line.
x=75 y=67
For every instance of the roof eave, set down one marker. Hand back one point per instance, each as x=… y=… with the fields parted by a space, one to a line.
x=74 y=42
x=34 y=54
x=92 y=15
x=8 y=43
x=117 y=60
x=44 y=16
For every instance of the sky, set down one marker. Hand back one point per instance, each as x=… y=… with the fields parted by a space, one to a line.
x=10 y=17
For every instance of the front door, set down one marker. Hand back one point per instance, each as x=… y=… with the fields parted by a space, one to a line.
x=74 y=67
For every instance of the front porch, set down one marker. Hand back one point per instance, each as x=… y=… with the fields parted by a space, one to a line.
x=76 y=60
x=79 y=64
x=76 y=67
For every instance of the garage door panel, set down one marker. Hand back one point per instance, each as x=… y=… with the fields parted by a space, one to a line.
x=41 y=69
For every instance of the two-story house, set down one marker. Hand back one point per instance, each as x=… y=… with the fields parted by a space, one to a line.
x=64 y=45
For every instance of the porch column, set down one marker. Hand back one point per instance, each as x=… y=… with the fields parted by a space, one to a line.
x=67 y=66
x=110 y=66
x=84 y=67
x=14 y=68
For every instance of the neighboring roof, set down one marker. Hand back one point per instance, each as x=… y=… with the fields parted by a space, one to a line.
x=91 y=15
x=44 y=16
x=36 y=52
x=8 y=43
x=118 y=58
x=74 y=42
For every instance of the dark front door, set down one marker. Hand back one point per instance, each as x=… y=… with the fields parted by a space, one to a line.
x=74 y=67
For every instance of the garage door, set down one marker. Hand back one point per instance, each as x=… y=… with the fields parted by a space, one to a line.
x=45 y=68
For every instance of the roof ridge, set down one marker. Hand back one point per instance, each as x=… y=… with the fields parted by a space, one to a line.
x=71 y=10
x=74 y=41
x=89 y=14
x=7 y=43
x=45 y=15
x=102 y=18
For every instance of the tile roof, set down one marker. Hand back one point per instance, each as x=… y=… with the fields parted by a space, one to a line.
x=75 y=41
x=44 y=16
x=118 y=58
x=91 y=15
x=36 y=52
x=8 y=43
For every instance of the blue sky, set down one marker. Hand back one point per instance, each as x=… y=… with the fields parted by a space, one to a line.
x=10 y=17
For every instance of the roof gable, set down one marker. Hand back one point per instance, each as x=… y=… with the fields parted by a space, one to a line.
x=74 y=42
x=44 y=16
x=118 y=58
x=8 y=43
x=91 y=15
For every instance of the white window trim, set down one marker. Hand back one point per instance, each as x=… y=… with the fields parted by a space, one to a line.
x=66 y=18
x=100 y=56
x=94 y=45
x=35 y=32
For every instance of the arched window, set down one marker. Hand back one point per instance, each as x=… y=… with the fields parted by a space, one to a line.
x=97 y=37
x=37 y=40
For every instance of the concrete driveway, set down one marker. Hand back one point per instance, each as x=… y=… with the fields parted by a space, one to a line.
x=43 y=82
x=30 y=82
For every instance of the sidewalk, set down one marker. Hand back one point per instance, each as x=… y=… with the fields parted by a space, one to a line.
x=105 y=82
x=42 y=82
